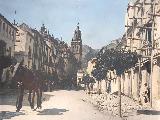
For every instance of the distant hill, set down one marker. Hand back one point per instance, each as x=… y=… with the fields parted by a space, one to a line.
x=87 y=54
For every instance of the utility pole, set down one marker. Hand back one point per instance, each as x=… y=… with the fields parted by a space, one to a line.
x=120 y=109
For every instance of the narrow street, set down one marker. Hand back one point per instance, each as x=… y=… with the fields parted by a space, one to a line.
x=57 y=105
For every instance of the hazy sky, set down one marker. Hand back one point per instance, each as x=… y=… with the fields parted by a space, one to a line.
x=100 y=20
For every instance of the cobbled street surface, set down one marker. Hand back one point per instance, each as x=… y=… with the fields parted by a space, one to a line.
x=57 y=105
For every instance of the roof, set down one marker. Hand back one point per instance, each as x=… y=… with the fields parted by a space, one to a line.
x=2 y=17
x=134 y=2
x=35 y=31
x=26 y=28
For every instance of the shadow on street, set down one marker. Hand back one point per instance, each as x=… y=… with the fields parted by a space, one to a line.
x=53 y=111
x=9 y=115
x=10 y=99
x=148 y=112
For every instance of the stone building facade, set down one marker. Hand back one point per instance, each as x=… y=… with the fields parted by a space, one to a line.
x=36 y=48
x=24 y=45
x=39 y=50
x=7 y=43
x=7 y=37
x=142 y=35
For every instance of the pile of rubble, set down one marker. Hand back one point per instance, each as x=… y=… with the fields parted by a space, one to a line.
x=110 y=104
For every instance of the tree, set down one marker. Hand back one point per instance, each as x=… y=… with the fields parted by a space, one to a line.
x=111 y=59
x=72 y=68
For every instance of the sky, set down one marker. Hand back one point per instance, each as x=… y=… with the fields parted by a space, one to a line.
x=100 y=20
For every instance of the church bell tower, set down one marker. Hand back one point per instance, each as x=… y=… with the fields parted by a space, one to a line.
x=76 y=44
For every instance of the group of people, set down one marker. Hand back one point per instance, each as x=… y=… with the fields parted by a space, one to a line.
x=49 y=82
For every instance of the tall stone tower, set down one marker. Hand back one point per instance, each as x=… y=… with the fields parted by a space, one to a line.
x=76 y=45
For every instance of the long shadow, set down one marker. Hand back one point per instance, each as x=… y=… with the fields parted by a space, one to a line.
x=10 y=99
x=53 y=111
x=148 y=112
x=9 y=115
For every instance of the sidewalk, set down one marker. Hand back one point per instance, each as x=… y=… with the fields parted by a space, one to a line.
x=131 y=110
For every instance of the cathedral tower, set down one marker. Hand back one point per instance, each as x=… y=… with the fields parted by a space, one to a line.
x=76 y=44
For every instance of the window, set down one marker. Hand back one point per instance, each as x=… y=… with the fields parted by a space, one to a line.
x=0 y=25
x=29 y=64
x=77 y=48
x=3 y=26
x=7 y=30
x=29 y=52
x=10 y=50
x=50 y=59
x=79 y=79
x=10 y=32
x=13 y=34
x=149 y=36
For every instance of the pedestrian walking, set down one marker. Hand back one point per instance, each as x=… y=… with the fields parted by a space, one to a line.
x=146 y=93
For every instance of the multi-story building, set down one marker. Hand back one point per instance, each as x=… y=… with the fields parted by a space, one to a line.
x=34 y=47
x=50 y=50
x=38 y=51
x=24 y=45
x=7 y=42
x=142 y=35
x=7 y=37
